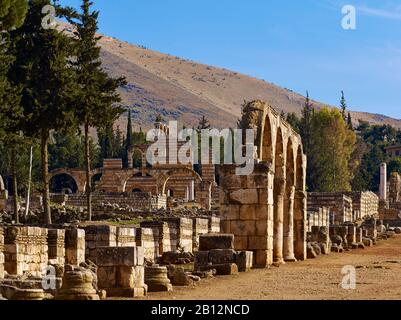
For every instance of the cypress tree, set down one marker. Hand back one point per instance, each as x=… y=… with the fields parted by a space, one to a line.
x=343 y=106
x=12 y=13
x=97 y=94
x=129 y=140
x=43 y=69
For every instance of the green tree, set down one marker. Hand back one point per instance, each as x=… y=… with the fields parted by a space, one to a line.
x=43 y=68
x=98 y=92
x=12 y=13
x=129 y=139
x=332 y=145
x=343 y=106
x=294 y=121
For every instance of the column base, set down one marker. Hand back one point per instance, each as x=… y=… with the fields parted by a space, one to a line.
x=278 y=261
x=290 y=259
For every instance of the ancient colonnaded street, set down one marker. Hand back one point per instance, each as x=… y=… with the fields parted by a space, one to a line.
x=378 y=277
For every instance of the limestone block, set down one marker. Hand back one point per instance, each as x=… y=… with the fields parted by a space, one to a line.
x=74 y=246
x=243 y=228
x=119 y=256
x=222 y=256
x=244 y=260
x=222 y=269
x=241 y=242
x=247 y=196
x=247 y=212
x=258 y=242
x=201 y=259
x=263 y=258
x=216 y=241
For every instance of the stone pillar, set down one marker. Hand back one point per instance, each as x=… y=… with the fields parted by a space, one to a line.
x=121 y=271
x=279 y=187
x=56 y=244
x=246 y=210
x=1 y=253
x=74 y=246
x=300 y=225
x=192 y=191
x=289 y=227
x=383 y=182
x=99 y=236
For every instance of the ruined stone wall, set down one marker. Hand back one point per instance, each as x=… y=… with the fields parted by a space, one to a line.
x=56 y=246
x=1 y=253
x=339 y=204
x=246 y=208
x=25 y=250
x=366 y=203
x=148 y=239
x=167 y=232
x=318 y=219
x=138 y=201
x=184 y=232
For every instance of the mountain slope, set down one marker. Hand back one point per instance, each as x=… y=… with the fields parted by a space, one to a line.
x=183 y=90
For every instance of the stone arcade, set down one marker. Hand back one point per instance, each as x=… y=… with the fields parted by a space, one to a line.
x=266 y=211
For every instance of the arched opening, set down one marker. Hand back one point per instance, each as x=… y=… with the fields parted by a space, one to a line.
x=300 y=208
x=288 y=223
x=299 y=170
x=183 y=181
x=137 y=190
x=267 y=142
x=63 y=183
x=278 y=194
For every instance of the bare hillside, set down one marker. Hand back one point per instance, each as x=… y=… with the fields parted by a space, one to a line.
x=185 y=90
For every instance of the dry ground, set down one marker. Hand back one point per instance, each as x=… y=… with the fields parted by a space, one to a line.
x=380 y=278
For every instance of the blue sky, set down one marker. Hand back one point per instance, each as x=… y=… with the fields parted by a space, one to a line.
x=297 y=44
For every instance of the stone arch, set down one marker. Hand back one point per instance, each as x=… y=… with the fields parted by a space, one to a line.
x=78 y=175
x=146 y=183
x=278 y=195
x=300 y=206
x=186 y=172
x=63 y=182
x=288 y=222
x=299 y=170
x=267 y=147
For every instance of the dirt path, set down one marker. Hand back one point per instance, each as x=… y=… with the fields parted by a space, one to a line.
x=379 y=278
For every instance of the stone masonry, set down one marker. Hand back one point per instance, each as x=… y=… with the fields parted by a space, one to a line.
x=266 y=210
x=26 y=250
x=1 y=253
x=74 y=246
x=56 y=246
x=121 y=271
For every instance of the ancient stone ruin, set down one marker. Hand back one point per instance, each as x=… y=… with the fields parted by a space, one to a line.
x=259 y=220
